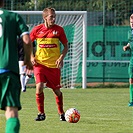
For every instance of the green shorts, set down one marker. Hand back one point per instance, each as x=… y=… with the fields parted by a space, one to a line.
x=10 y=89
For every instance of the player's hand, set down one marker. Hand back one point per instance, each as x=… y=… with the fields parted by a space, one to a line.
x=125 y=48
x=59 y=63
x=33 y=61
x=29 y=68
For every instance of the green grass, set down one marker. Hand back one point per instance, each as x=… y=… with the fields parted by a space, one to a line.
x=102 y=111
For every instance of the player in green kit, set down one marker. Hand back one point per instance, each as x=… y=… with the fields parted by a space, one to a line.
x=11 y=26
x=130 y=69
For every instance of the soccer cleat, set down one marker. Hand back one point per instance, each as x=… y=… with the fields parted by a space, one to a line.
x=24 y=90
x=130 y=104
x=40 y=117
x=62 y=117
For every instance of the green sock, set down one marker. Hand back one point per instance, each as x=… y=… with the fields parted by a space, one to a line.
x=131 y=93
x=12 y=125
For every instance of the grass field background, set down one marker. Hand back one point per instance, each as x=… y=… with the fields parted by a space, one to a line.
x=102 y=111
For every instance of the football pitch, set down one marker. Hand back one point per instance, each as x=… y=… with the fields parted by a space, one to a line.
x=102 y=111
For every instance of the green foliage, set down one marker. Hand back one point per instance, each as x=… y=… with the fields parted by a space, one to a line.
x=91 y=5
x=122 y=9
x=102 y=111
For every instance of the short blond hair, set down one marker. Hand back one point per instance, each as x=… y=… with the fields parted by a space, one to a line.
x=46 y=10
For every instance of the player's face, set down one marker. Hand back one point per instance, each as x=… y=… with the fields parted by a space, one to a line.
x=131 y=23
x=50 y=18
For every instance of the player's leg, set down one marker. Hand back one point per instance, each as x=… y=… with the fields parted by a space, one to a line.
x=131 y=92
x=40 y=97
x=12 y=121
x=39 y=78
x=40 y=102
x=130 y=71
x=27 y=78
x=10 y=101
x=22 y=80
x=59 y=101
x=22 y=75
x=53 y=81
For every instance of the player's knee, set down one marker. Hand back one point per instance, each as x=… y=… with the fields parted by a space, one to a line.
x=39 y=87
x=11 y=112
x=57 y=92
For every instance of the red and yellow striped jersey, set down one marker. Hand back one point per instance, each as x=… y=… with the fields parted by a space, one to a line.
x=48 y=43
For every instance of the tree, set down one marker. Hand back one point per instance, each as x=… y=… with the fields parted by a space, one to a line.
x=121 y=9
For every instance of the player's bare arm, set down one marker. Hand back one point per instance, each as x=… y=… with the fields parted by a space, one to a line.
x=28 y=49
x=59 y=62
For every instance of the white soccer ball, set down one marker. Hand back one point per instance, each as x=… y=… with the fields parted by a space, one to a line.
x=72 y=115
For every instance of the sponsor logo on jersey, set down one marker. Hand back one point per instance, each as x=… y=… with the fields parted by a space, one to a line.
x=47 y=45
x=55 y=32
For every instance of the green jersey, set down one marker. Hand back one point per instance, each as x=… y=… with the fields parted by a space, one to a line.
x=130 y=36
x=130 y=40
x=11 y=26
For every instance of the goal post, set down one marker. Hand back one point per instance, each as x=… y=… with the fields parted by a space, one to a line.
x=75 y=26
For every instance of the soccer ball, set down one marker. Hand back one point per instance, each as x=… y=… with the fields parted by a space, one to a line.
x=72 y=115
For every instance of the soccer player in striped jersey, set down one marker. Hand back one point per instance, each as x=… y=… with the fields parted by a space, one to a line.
x=130 y=69
x=48 y=60
x=11 y=26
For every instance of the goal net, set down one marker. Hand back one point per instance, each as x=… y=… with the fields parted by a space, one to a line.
x=73 y=73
